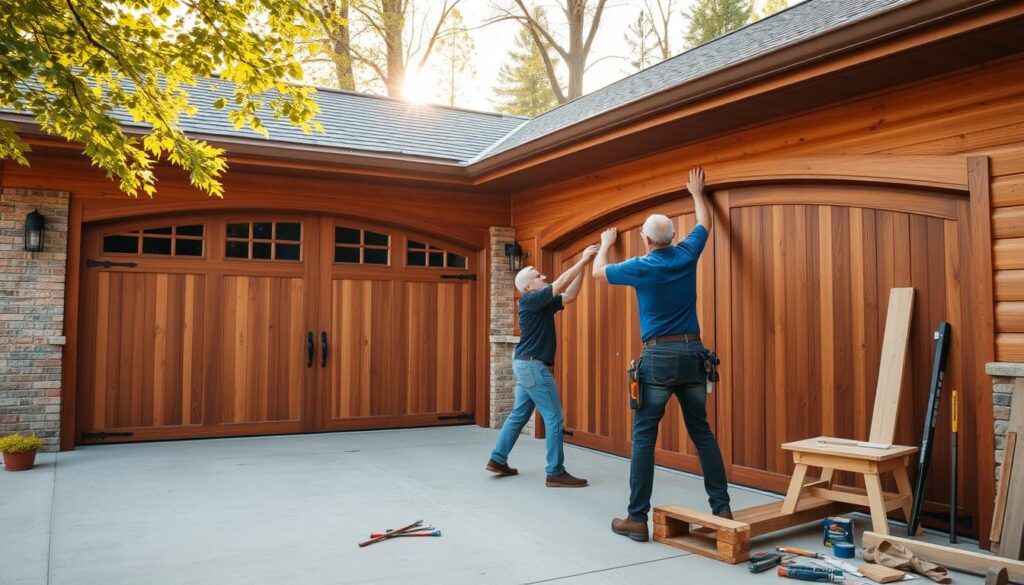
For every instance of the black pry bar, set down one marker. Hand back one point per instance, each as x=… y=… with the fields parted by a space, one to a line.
x=942 y=339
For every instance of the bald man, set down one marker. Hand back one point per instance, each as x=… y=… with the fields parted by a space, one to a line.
x=531 y=366
x=672 y=362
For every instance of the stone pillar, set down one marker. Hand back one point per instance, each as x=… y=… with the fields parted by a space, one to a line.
x=32 y=315
x=1004 y=380
x=502 y=329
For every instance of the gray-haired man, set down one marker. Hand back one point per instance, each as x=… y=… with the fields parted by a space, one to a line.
x=535 y=354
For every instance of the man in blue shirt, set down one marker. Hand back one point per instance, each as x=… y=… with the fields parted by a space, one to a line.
x=672 y=362
x=531 y=365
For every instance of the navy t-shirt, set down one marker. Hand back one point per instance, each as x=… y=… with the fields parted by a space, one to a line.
x=666 y=286
x=537 y=324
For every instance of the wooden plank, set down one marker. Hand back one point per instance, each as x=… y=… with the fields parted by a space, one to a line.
x=949 y=557
x=1004 y=486
x=1011 y=543
x=892 y=365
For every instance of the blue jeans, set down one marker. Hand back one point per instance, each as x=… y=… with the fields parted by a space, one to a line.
x=535 y=386
x=666 y=370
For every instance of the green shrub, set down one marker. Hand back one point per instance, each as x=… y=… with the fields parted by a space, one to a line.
x=20 y=444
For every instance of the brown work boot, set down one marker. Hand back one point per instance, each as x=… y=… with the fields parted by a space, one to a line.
x=565 y=480
x=502 y=469
x=726 y=513
x=632 y=528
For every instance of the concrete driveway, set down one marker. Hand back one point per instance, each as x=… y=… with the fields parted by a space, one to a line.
x=292 y=509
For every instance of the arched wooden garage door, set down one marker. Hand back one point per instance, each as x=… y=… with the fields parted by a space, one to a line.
x=793 y=289
x=254 y=324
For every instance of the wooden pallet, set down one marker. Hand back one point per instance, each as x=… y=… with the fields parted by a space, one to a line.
x=728 y=541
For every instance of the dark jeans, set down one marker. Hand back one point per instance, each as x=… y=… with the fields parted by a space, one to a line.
x=668 y=369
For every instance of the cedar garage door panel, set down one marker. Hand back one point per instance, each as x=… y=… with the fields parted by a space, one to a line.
x=792 y=293
x=201 y=326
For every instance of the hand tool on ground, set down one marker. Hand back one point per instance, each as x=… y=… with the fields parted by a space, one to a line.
x=808 y=573
x=391 y=534
x=954 y=421
x=843 y=566
x=763 y=561
x=943 y=336
x=434 y=532
x=799 y=551
x=417 y=529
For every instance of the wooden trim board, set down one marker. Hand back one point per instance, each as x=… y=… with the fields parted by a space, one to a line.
x=1010 y=540
x=953 y=558
x=1004 y=487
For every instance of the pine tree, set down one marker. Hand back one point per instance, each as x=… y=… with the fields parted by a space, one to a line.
x=640 y=39
x=524 y=88
x=710 y=19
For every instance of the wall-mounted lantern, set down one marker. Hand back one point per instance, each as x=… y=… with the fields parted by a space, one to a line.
x=514 y=253
x=35 y=224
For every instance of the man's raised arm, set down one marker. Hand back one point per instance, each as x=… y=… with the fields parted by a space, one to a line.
x=566 y=278
x=700 y=201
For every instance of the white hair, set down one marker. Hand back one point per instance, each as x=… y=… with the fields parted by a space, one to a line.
x=659 y=229
x=522 y=279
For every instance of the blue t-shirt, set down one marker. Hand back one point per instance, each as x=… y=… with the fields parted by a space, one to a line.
x=666 y=286
x=537 y=324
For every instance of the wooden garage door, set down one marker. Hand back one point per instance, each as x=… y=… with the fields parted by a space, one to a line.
x=792 y=295
x=600 y=333
x=259 y=324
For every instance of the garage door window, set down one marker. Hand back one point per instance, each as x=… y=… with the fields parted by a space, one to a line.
x=356 y=246
x=430 y=256
x=265 y=240
x=181 y=240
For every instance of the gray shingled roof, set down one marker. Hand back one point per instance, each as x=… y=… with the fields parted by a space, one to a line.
x=795 y=24
x=378 y=125
x=367 y=124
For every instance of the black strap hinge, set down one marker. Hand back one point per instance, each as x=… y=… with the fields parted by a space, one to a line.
x=460 y=416
x=90 y=263
x=458 y=276
x=104 y=435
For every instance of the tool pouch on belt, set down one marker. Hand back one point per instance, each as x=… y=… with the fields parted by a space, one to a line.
x=633 y=373
x=711 y=362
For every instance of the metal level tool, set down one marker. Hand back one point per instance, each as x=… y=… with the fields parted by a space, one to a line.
x=955 y=423
x=943 y=336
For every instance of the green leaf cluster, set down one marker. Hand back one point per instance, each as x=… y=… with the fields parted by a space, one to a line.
x=17 y=443
x=114 y=76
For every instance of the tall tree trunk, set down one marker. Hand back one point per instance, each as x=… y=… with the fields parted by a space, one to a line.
x=343 y=50
x=577 y=62
x=394 y=25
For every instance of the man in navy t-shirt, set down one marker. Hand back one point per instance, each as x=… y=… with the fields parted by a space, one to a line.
x=535 y=354
x=672 y=362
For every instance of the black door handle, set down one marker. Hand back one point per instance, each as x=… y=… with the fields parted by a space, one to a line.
x=310 y=349
x=323 y=349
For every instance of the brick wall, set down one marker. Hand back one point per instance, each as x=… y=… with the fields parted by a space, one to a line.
x=502 y=329
x=32 y=315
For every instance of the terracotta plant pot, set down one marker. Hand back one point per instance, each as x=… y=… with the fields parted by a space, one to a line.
x=19 y=461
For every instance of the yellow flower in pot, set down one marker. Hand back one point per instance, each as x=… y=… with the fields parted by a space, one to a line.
x=19 y=451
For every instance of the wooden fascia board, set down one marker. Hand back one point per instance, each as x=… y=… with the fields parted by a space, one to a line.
x=272 y=155
x=939 y=172
x=761 y=75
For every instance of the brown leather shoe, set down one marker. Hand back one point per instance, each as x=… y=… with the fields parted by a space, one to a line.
x=632 y=528
x=724 y=514
x=502 y=469
x=565 y=480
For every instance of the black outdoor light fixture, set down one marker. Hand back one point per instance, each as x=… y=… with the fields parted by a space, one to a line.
x=514 y=253
x=35 y=223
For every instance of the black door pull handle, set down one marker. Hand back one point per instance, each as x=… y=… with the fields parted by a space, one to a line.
x=323 y=349
x=310 y=349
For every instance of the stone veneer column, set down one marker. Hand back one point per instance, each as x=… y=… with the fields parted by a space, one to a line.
x=32 y=315
x=502 y=329
x=1004 y=380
